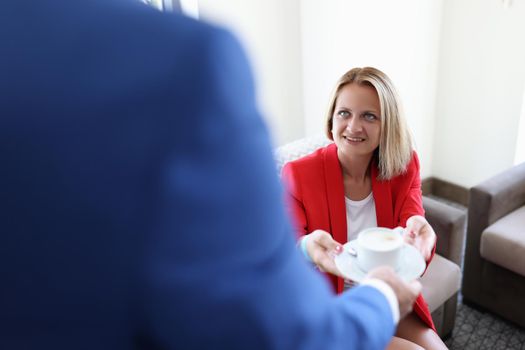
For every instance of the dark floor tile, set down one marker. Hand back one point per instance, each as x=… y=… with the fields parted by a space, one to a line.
x=481 y=330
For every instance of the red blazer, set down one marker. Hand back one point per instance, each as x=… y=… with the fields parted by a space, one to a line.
x=316 y=200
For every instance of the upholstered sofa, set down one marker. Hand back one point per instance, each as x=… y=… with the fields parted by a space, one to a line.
x=494 y=275
x=442 y=279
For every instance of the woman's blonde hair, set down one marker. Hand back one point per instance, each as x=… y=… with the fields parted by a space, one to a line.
x=395 y=144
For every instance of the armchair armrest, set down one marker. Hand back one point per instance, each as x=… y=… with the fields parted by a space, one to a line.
x=449 y=224
x=489 y=201
x=500 y=194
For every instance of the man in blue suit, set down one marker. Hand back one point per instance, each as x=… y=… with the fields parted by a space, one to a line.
x=140 y=208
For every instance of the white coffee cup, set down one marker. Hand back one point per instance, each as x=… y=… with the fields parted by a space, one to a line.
x=378 y=246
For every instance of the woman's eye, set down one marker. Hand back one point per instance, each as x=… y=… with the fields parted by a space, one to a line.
x=343 y=113
x=370 y=117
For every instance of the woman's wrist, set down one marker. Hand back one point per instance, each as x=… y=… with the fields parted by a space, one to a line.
x=302 y=244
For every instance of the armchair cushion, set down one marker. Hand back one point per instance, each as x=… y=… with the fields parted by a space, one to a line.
x=503 y=242
x=440 y=282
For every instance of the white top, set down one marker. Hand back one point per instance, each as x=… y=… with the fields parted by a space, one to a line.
x=360 y=215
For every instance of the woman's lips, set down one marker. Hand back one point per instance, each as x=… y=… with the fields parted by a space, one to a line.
x=354 y=139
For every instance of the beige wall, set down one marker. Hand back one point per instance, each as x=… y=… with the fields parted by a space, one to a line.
x=270 y=32
x=300 y=48
x=399 y=37
x=459 y=66
x=480 y=89
x=520 y=142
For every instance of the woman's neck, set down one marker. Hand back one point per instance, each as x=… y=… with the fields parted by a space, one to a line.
x=356 y=168
x=356 y=176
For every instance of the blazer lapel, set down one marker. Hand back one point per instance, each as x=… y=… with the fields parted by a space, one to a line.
x=382 y=198
x=335 y=194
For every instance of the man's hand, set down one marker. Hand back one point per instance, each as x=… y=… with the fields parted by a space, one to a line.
x=406 y=293
x=322 y=249
x=421 y=235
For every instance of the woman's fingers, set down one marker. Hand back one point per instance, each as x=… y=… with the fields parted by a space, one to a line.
x=328 y=243
x=327 y=264
x=322 y=248
x=409 y=236
x=420 y=234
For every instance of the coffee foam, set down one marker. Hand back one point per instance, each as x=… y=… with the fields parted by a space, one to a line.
x=380 y=240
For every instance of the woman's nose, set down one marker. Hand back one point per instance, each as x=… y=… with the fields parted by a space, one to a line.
x=354 y=125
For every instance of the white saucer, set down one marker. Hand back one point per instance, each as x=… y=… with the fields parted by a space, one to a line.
x=411 y=265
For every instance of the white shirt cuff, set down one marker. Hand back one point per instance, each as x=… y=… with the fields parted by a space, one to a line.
x=389 y=294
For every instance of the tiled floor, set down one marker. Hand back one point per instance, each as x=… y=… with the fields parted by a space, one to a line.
x=477 y=330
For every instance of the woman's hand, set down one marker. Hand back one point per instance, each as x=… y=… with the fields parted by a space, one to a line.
x=322 y=249
x=421 y=235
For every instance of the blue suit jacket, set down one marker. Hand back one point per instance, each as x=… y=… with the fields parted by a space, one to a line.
x=140 y=206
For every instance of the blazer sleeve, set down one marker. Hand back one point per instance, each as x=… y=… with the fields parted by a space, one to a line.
x=413 y=204
x=293 y=199
x=224 y=264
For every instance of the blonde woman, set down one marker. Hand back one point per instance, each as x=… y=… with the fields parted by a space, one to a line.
x=368 y=177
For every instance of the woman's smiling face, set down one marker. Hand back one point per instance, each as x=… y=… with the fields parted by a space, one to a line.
x=356 y=125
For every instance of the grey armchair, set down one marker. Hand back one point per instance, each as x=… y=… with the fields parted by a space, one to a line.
x=442 y=279
x=494 y=276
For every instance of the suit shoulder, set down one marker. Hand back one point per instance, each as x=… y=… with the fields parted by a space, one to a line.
x=174 y=35
x=200 y=34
